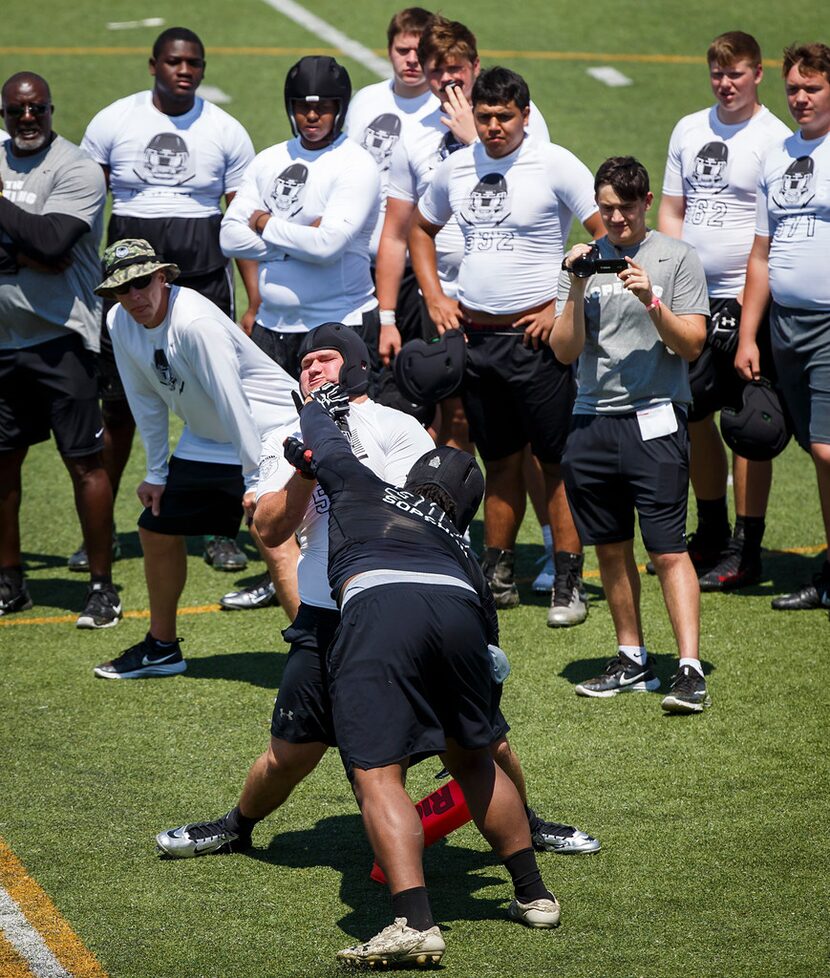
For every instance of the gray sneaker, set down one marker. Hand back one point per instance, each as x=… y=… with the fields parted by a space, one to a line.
x=568 y=603
x=497 y=566
x=564 y=840
x=397 y=944
x=539 y=914
x=223 y=554
x=201 y=839
x=79 y=562
x=259 y=595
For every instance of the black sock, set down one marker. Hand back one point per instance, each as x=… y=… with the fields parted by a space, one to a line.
x=100 y=578
x=825 y=570
x=713 y=517
x=749 y=532
x=13 y=574
x=527 y=880
x=239 y=823
x=414 y=905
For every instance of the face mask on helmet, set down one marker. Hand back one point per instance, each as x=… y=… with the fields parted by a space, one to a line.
x=317 y=77
x=354 y=374
x=454 y=472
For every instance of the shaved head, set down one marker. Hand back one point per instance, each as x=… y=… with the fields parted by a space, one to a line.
x=27 y=79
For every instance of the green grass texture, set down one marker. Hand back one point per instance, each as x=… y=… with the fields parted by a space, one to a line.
x=714 y=860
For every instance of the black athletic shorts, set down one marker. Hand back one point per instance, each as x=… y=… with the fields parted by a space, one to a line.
x=199 y=498
x=514 y=394
x=409 y=667
x=51 y=386
x=302 y=709
x=284 y=348
x=714 y=381
x=610 y=472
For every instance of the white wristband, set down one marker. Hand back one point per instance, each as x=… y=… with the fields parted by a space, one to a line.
x=387 y=317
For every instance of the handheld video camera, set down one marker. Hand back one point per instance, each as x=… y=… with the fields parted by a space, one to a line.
x=592 y=264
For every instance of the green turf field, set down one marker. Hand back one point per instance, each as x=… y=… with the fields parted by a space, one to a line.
x=714 y=859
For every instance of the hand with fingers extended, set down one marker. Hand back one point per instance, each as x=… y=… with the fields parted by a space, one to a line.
x=300 y=457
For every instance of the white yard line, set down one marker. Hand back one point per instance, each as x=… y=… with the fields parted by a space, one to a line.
x=27 y=941
x=610 y=76
x=326 y=32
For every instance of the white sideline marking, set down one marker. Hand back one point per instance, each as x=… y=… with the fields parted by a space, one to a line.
x=127 y=25
x=27 y=941
x=214 y=94
x=610 y=76
x=325 y=31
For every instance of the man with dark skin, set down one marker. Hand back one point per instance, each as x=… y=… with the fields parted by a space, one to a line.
x=167 y=178
x=51 y=204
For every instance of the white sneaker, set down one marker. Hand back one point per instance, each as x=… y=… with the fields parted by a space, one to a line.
x=538 y=913
x=397 y=944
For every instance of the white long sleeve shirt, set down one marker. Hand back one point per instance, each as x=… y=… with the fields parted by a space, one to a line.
x=200 y=366
x=308 y=275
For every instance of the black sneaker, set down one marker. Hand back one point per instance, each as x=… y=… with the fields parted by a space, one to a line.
x=736 y=569
x=564 y=840
x=621 y=675
x=13 y=596
x=224 y=554
x=201 y=839
x=687 y=693
x=497 y=566
x=705 y=550
x=144 y=659
x=815 y=595
x=102 y=608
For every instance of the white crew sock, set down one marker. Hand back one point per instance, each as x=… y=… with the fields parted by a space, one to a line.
x=637 y=653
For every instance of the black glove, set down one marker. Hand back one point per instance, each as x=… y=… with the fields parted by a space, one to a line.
x=333 y=400
x=299 y=403
x=723 y=331
x=300 y=457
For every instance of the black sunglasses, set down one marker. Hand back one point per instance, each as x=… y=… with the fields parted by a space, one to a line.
x=18 y=111
x=135 y=283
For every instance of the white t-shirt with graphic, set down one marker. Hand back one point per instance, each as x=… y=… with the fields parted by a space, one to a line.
x=199 y=364
x=308 y=275
x=375 y=120
x=418 y=154
x=168 y=165
x=387 y=441
x=515 y=214
x=794 y=212
x=716 y=167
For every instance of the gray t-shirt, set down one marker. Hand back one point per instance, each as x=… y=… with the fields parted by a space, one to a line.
x=38 y=306
x=625 y=365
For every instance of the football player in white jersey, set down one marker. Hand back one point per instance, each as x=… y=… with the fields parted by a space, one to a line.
x=388 y=442
x=709 y=189
x=788 y=263
x=169 y=158
x=514 y=198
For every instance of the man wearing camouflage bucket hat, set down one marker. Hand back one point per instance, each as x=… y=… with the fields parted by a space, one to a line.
x=177 y=351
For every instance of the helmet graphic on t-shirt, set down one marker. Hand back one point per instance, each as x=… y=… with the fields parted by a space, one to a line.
x=797 y=184
x=167 y=160
x=487 y=204
x=709 y=167
x=380 y=137
x=288 y=189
